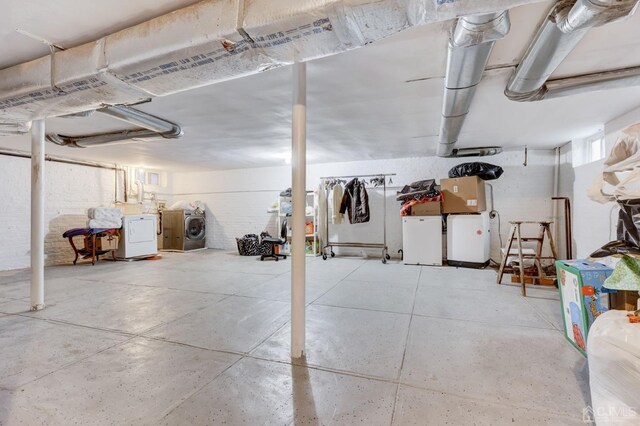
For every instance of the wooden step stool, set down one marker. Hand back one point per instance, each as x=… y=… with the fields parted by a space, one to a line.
x=537 y=256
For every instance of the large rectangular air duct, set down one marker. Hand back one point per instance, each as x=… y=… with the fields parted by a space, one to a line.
x=209 y=42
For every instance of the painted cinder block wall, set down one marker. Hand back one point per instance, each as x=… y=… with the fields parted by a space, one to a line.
x=69 y=191
x=237 y=200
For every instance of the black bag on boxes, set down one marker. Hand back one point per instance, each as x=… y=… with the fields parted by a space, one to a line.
x=484 y=171
x=249 y=245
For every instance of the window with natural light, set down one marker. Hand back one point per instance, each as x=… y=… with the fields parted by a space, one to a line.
x=587 y=150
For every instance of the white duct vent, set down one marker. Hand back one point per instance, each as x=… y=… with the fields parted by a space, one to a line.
x=209 y=42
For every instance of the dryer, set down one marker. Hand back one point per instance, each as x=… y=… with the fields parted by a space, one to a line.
x=183 y=230
x=138 y=237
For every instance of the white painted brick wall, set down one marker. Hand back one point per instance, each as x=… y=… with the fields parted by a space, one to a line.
x=237 y=200
x=69 y=191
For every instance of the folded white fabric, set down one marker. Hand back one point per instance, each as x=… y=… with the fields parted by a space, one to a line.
x=103 y=223
x=105 y=213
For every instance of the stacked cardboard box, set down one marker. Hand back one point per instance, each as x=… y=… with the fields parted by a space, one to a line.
x=463 y=195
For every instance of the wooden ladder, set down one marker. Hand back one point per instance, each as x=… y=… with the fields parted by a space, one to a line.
x=516 y=234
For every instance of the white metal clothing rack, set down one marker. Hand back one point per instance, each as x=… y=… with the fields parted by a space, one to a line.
x=331 y=244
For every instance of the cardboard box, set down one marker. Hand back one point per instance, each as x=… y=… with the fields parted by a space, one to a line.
x=582 y=297
x=463 y=195
x=430 y=208
x=109 y=242
x=624 y=300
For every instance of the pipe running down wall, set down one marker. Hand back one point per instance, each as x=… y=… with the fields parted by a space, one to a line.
x=206 y=43
x=470 y=45
x=564 y=27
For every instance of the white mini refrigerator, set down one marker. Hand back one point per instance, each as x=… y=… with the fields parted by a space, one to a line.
x=422 y=240
x=138 y=237
x=468 y=240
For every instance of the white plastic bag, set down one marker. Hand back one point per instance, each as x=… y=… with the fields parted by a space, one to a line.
x=186 y=205
x=613 y=350
x=620 y=178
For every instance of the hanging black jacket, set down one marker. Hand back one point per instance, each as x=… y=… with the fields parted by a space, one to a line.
x=355 y=201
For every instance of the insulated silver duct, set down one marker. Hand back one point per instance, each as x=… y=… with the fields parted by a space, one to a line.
x=142 y=119
x=154 y=128
x=209 y=42
x=112 y=138
x=565 y=25
x=469 y=48
x=81 y=114
x=15 y=128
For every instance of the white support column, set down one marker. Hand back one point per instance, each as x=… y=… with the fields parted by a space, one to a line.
x=299 y=194
x=37 y=215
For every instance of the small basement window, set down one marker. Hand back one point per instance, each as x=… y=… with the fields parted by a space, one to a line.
x=596 y=149
x=588 y=150
x=153 y=178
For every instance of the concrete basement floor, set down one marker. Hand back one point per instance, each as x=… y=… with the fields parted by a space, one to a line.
x=203 y=338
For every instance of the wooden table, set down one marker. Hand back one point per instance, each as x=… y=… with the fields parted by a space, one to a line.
x=90 y=236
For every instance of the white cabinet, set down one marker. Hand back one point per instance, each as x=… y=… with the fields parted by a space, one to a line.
x=422 y=240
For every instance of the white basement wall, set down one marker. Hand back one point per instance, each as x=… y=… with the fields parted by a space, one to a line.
x=69 y=191
x=237 y=200
x=594 y=224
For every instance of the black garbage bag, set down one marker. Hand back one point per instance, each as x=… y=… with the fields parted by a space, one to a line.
x=629 y=222
x=484 y=171
x=628 y=234
x=418 y=190
x=616 y=247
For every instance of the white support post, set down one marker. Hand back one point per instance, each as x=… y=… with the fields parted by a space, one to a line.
x=37 y=215
x=299 y=195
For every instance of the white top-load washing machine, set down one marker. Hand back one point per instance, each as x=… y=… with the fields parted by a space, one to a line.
x=468 y=240
x=138 y=237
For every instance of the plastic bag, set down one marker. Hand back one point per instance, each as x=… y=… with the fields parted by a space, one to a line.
x=616 y=247
x=620 y=178
x=613 y=350
x=625 y=276
x=197 y=205
x=629 y=222
x=418 y=190
x=484 y=171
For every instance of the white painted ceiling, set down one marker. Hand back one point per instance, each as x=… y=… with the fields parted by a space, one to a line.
x=381 y=101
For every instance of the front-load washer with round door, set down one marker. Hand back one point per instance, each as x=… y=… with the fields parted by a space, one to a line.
x=183 y=230
x=194 y=230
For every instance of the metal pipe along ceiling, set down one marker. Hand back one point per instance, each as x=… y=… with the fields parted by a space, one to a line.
x=564 y=27
x=154 y=128
x=469 y=48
